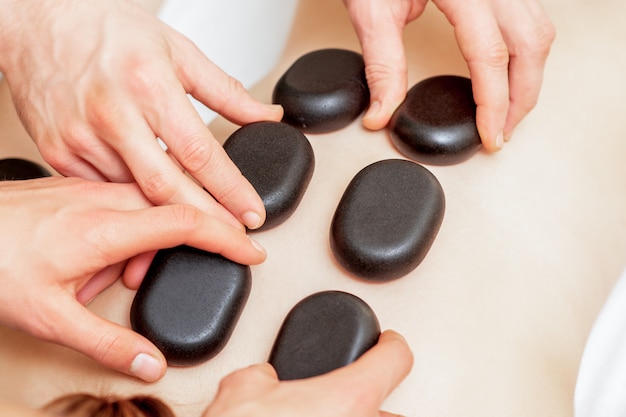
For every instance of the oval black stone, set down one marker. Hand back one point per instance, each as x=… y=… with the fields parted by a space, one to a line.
x=189 y=303
x=323 y=91
x=436 y=123
x=278 y=161
x=14 y=169
x=323 y=332
x=387 y=220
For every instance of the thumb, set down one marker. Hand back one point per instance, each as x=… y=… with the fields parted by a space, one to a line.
x=108 y=343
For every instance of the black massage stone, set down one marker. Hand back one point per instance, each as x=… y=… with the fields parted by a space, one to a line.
x=436 y=123
x=13 y=169
x=323 y=332
x=189 y=302
x=323 y=91
x=387 y=220
x=278 y=161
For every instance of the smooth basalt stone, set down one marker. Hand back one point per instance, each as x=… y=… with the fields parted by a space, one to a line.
x=436 y=123
x=278 y=161
x=387 y=220
x=323 y=91
x=13 y=169
x=323 y=332
x=189 y=303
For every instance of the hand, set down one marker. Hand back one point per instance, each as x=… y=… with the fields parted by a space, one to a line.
x=355 y=390
x=64 y=240
x=505 y=43
x=95 y=82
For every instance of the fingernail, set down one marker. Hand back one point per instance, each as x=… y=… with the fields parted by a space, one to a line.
x=146 y=367
x=507 y=136
x=251 y=219
x=276 y=107
x=278 y=111
x=392 y=334
x=373 y=110
x=257 y=245
x=500 y=140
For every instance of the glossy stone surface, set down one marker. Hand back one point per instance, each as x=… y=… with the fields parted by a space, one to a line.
x=278 y=161
x=323 y=332
x=189 y=303
x=13 y=169
x=387 y=220
x=323 y=91
x=436 y=123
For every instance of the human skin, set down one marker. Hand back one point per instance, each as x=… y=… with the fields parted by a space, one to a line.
x=354 y=390
x=505 y=43
x=65 y=240
x=95 y=83
x=358 y=389
x=498 y=313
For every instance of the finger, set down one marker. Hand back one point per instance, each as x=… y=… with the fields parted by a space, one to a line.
x=62 y=157
x=529 y=45
x=99 y=282
x=94 y=194
x=136 y=269
x=77 y=151
x=160 y=179
x=380 y=35
x=111 y=166
x=109 y=344
x=380 y=370
x=127 y=234
x=70 y=165
x=487 y=55
x=248 y=382
x=195 y=148
x=525 y=83
x=125 y=196
x=217 y=90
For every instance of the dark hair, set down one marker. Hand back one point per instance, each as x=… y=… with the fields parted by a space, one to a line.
x=87 y=405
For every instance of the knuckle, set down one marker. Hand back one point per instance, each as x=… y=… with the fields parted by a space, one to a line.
x=380 y=72
x=187 y=217
x=157 y=188
x=196 y=156
x=71 y=138
x=234 y=86
x=106 y=347
x=542 y=40
x=496 y=55
x=233 y=89
x=57 y=158
x=536 y=41
x=141 y=77
x=101 y=113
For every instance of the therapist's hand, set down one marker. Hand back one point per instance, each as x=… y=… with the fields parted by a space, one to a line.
x=358 y=389
x=95 y=82
x=64 y=240
x=505 y=43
